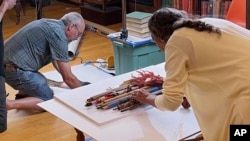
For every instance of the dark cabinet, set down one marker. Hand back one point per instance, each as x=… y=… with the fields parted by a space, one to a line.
x=104 y=12
x=102 y=3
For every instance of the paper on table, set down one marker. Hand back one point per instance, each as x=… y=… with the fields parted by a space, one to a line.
x=152 y=125
x=72 y=48
x=87 y=73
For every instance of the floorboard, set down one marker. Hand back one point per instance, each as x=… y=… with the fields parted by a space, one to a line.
x=28 y=126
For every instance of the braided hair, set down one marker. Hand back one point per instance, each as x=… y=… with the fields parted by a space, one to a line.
x=166 y=20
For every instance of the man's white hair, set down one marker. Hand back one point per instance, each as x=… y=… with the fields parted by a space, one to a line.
x=72 y=18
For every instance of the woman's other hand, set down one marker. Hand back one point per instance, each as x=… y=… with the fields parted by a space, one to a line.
x=144 y=97
x=10 y=3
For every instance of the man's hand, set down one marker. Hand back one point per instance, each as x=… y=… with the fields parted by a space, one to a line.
x=54 y=83
x=63 y=85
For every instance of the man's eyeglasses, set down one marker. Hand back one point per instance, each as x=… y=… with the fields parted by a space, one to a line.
x=79 y=33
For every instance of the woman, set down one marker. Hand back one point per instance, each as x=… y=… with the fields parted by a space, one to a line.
x=208 y=61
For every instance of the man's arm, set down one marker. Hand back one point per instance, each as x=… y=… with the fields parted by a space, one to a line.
x=54 y=63
x=69 y=78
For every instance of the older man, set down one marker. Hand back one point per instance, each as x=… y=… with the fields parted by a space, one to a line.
x=34 y=46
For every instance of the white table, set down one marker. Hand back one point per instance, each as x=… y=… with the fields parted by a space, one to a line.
x=146 y=124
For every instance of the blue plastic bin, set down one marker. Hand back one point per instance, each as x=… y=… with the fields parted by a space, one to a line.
x=129 y=58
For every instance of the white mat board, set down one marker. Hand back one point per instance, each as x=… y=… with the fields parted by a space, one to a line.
x=77 y=97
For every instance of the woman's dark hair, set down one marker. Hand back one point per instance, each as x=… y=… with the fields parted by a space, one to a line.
x=166 y=20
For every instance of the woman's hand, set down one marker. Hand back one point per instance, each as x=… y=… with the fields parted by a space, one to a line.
x=9 y=4
x=144 y=97
x=185 y=103
x=4 y=5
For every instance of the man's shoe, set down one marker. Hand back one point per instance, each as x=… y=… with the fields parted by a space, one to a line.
x=20 y=96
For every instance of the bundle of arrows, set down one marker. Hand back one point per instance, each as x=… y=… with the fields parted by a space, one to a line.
x=120 y=98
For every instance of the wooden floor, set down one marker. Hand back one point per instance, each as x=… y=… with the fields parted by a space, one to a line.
x=25 y=126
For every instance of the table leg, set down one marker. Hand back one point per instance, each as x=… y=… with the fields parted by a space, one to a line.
x=20 y=4
x=80 y=135
x=18 y=10
x=23 y=6
x=39 y=9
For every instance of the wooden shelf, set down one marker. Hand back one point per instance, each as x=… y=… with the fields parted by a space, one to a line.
x=247 y=14
x=132 y=6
